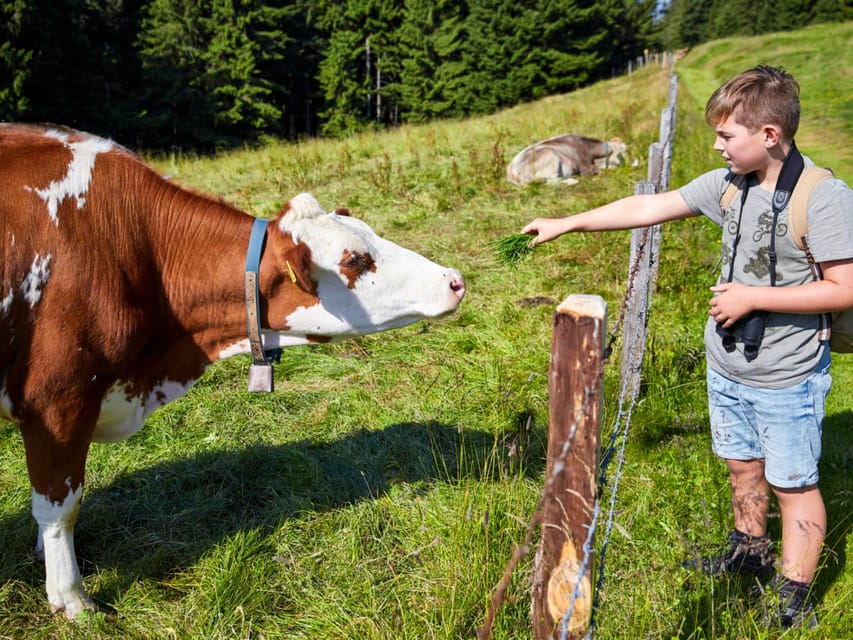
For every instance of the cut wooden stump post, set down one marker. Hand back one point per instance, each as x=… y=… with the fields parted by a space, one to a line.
x=575 y=376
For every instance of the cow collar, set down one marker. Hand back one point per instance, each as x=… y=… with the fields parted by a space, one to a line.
x=260 y=371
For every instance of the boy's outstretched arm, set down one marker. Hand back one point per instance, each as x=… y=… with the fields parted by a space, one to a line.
x=627 y=213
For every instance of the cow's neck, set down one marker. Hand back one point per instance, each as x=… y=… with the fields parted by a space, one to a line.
x=203 y=274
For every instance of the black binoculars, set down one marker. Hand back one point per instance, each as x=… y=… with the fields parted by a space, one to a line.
x=751 y=333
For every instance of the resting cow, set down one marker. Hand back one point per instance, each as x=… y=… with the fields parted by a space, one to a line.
x=559 y=158
x=119 y=288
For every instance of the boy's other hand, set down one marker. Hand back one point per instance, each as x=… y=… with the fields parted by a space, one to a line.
x=731 y=302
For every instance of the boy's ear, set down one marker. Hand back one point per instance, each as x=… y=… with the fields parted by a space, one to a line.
x=772 y=135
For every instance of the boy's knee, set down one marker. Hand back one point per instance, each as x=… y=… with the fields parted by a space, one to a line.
x=792 y=491
x=746 y=469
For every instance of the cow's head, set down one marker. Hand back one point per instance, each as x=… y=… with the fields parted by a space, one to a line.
x=614 y=156
x=355 y=281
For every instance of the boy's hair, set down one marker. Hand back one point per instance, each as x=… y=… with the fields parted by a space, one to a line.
x=761 y=95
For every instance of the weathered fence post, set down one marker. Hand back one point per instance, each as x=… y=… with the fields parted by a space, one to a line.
x=562 y=579
x=655 y=165
x=667 y=133
x=641 y=279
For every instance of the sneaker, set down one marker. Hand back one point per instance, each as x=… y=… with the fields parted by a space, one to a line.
x=794 y=609
x=743 y=555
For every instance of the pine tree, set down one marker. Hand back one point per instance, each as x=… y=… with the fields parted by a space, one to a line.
x=496 y=50
x=360 y=71
x=68 y=61
x=431 y=34
x=171 y=42
x=686 y=23
x=217 y=72
x=632 y=29
x=15 y=62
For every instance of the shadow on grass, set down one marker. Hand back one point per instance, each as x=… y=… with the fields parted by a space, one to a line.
x=721 y=606
x=153 y=521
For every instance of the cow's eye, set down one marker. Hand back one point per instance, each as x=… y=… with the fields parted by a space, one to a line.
x=354 y=265
x=359 y=262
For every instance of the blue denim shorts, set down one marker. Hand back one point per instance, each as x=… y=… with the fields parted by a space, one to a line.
x=780 y=426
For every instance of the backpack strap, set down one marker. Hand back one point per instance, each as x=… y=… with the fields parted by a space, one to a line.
x=735 y=185
x=798 y=220
x=798 y=227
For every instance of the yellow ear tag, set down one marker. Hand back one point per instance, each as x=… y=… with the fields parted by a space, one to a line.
x=290 y=271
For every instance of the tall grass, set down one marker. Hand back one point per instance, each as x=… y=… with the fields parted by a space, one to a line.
x=379 y=493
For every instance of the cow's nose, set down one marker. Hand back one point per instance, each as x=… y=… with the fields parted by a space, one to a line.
x=457 y=284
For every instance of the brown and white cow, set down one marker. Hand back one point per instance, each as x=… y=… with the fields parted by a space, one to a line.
x=561 y=157
x=118 y=288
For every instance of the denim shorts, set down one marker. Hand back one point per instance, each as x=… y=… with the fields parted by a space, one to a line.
x=780 y=426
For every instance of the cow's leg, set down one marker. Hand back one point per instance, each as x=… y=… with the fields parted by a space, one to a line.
x=56 y=474
x=588 y=168
x=56 y=521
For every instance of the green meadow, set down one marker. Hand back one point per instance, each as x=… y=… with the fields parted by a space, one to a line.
x=380 y=492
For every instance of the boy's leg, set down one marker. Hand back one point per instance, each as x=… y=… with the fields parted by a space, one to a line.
x=803 y=531
x=791 y=430
x=748 y=550
x=750 y=495
x=792 y=426
x=735 y=439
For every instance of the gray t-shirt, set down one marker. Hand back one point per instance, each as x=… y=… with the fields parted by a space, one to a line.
x=790 y=350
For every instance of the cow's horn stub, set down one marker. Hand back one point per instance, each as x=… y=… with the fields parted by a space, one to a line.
x=303 y=205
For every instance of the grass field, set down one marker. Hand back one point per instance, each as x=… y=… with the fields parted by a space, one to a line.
x=380 y=492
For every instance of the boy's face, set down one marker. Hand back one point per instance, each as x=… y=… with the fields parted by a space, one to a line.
x=743 y=151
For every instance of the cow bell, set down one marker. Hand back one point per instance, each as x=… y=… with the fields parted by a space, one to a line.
x=261 y=379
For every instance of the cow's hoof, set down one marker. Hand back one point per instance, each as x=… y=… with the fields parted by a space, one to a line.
x=99 y=612
x=74 y=607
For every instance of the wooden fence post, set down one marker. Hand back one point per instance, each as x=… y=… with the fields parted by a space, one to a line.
x=642 y=276
x=575 y=381
x=655 y=167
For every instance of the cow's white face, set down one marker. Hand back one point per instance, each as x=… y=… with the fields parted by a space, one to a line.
x=615 y=157
x=364 y=283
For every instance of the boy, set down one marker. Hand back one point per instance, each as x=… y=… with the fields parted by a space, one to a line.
x=766 y=405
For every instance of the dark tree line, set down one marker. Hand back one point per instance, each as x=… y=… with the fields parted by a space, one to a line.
x=208 y=73
x=691 y=22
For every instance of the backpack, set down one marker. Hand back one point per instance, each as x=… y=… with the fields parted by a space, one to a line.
x=841 y=332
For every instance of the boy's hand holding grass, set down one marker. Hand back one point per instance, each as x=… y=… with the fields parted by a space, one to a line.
x=513 y=248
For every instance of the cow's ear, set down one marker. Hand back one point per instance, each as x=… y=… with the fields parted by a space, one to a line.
x=296 y=264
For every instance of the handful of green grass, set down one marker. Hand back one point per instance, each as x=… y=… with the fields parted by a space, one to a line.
x=513 y=248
